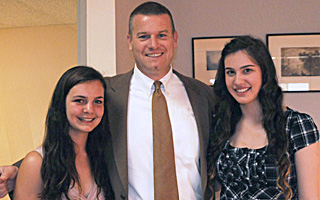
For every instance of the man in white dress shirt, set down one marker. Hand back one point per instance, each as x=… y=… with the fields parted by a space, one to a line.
x=152 y=39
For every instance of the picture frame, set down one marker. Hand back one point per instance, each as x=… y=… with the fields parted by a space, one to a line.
x=297 y=60
x=206 y=52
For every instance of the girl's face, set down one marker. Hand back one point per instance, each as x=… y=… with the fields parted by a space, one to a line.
x=85 y=106
x=243 y=77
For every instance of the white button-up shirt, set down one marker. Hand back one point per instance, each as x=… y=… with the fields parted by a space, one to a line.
x=140 y=141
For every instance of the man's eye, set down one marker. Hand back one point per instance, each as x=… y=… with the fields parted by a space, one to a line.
x=144 y=37
x=162 y=35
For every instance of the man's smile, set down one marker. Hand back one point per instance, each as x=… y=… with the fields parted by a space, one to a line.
x=154 y=54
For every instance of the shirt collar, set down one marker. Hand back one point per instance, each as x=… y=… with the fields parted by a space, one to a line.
x=147 y=83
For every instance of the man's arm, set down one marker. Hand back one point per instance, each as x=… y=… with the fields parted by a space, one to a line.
x=8 y=175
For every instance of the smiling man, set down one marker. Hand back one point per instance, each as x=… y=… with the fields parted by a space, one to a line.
x=152 y=42
x=152 y=39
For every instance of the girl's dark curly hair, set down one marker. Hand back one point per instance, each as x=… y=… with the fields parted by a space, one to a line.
x=58 y=170
x=228 y=112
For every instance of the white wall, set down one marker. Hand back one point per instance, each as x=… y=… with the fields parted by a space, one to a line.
x=97 y=43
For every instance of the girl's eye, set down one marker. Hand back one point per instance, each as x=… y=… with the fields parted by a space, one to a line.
x=98 y=101
x=247 y=70
x=79 y=101
x=230 y=73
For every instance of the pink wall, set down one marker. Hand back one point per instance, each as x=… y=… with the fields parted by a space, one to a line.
x=205 y=18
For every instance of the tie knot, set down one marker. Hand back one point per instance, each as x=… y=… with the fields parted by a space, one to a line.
x=157 y=84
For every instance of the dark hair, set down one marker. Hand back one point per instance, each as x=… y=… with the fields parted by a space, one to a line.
x=228 y=112
x=150 y=8
x=58 y=170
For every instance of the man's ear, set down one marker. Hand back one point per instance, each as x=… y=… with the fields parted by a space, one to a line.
x=129 y=39
x=175 y=39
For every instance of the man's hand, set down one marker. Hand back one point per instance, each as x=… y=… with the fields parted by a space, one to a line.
x=8 y=175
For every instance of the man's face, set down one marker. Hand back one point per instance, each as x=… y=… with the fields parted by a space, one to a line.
x=152 y=44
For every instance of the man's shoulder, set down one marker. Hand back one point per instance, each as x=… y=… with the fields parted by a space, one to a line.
x=120 y=78
x=191 y=81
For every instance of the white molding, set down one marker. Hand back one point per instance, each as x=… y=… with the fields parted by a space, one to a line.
x=99 y=49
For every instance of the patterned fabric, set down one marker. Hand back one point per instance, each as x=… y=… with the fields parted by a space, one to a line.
x=252 y=173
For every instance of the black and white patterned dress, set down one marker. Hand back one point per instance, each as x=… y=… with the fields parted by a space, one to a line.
x=252 y=174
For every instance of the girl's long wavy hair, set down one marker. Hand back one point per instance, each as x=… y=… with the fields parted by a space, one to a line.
x=228 y=112
x=58 y=170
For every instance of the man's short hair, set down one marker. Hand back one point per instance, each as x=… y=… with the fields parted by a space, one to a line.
x=150 y=8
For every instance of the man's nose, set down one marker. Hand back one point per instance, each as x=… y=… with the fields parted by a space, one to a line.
x=154 y=43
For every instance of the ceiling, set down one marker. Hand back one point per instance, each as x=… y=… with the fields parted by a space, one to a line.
x=26 y=13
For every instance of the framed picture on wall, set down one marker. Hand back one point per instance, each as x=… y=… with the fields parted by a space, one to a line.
x=206 y=52
x=297 y=60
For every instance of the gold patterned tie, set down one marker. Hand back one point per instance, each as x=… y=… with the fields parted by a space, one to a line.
x=165 y=180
